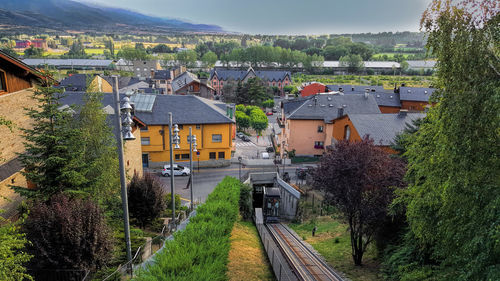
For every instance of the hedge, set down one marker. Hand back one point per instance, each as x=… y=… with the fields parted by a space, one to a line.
x=200 y=252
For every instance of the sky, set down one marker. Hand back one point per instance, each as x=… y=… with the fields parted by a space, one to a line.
x=286 y=16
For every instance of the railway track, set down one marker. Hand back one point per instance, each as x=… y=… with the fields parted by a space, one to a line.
x=305 y=263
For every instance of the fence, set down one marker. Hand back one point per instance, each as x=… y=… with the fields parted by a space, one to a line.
x=281 y=268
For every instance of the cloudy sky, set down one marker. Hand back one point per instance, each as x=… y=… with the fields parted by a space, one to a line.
x=287 y=16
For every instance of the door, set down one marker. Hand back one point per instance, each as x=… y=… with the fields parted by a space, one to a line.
x=145 y=160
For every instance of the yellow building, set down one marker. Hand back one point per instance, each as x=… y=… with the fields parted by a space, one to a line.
x=212 y=122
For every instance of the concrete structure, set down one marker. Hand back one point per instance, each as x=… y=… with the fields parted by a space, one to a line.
x=79 y=64
x=306 y=122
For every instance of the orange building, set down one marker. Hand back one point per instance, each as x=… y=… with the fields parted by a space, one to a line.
x=382 y=128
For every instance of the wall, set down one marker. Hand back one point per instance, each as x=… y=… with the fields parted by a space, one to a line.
x=15 y=78
x=133 y=154
x=413 y=106
x=388 y=109
x=339 y=127
x=301 y=135
x=159 y=150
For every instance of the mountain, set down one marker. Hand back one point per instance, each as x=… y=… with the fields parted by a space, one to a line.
x=72 y=15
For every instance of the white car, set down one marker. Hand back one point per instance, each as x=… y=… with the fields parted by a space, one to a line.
x=178 y=171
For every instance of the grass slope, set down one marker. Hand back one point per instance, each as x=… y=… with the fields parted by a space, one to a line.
x=338 y=254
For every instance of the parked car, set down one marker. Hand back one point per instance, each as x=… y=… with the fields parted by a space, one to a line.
x=240 y=135
x=265 y=155
x=178 y=171
x=275 y=109
x=269 y=113
x=245 y=138
x=270 y=149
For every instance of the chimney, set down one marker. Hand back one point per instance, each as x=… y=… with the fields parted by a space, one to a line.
x=315 y=101
x=152 y=74
x=340 y=112
x=402 y=113
x=366 y=93
x=203 y=80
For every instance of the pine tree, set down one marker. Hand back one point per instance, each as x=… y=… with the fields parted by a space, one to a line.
x=51 y=160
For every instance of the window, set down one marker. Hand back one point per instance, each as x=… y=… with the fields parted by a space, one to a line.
x=318 y=144
x=144 y=129
x=320 y=129
x=185 y=156
x=198 y=126
x=177 y=156
x=211 y=155
x=145 y=141
x=180 y=127
x=222 y=155
x=3 y=84
x=347 y=132
x=216 y=138
x=221 y=83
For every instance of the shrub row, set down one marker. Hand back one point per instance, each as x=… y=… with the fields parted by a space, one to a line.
x=200 y=252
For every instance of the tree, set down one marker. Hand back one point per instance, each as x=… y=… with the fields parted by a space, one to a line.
x=77 y=51
x=67 y=233
x=187 y=57
x=357 y=178
x=353 y=63
x=33 y=52
x=268 y=103
x=51 y=161
x=9 y=51
x=161 y=48
x=258 y=121
x=12 y=253
x=128 y=53
x=453 y=194
x=146 y=198
x=209 y=59
x=242 y=120
x=253 y=92
x=334 y=52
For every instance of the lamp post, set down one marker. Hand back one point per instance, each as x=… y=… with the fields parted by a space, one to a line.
x=192 y=148
x=173 y=139
x=127 y=135
x=284 y=159
x=239 y=173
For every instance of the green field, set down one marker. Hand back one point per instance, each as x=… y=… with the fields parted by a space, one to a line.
x=378 y=55
x=387 y=81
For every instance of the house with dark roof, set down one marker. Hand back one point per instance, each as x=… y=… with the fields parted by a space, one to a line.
x=306 y=122
x=414 y=99
x=162 y=79
x=388 y=101
x=382 y=128
x=17 y=83
x=272 y=78
x=189 y=84
x=312 y=88
x=80 y=82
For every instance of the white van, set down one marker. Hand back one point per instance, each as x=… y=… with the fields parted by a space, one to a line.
x=265 y=155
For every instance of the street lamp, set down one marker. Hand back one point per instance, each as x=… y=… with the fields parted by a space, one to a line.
x=127 y=135
x=173 y=139
x=239 y=160
x=192 y=148
x=284 y=160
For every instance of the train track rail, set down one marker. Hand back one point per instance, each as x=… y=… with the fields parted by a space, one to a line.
x=304 y=262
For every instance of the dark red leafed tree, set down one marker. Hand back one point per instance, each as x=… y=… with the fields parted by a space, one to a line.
x=358 y=178
x=67 y=233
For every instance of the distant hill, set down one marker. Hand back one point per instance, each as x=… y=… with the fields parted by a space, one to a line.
x=71 y=15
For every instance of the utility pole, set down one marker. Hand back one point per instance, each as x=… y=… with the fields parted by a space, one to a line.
x=171 y=166
x=119 y=141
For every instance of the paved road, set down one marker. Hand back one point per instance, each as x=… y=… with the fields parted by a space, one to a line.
x=206 y=179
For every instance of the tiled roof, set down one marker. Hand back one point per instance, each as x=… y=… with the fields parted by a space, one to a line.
x=382 y=98
x=328 y=106
x=415 y=94
x=382 y=128
x=162 y=74
x=75 y=82
x=183 y=80
x=186 y=109
x=355 y=88
x=421 y=63
x=68 y=62
x=233 y=74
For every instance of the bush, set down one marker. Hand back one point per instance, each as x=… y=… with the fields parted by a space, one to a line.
x=68 y=233
x=246 y=202
x=200 y=252
x=145 y=198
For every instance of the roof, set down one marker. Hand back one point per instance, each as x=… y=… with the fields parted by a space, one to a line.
x=76 y=82
x=382 y=128
x=383 y=98
x=415 y=94
x=18 y=63
x=358 y=88
x=162 y=74
x=184 y=79
x=234 y=74
x=327 y=106
x=68 y=62
x=368 y=64
x=186 y=109
x=124 y=81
